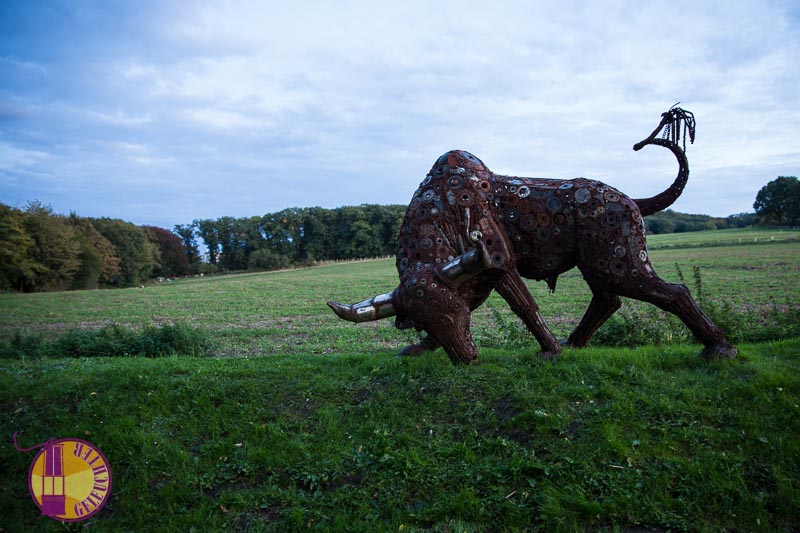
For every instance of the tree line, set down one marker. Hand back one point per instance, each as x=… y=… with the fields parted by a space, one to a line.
x=295 y=236
x=669 y=221
x=41 y=250
x=777 y=203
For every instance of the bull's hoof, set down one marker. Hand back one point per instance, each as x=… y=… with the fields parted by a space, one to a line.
x=413 y=350
x=463 y=358
x=722 y=350
x=427 y=344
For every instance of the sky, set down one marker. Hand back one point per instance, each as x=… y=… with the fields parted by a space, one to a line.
x=163 y=112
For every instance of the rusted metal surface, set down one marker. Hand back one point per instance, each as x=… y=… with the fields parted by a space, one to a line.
x=469 y=231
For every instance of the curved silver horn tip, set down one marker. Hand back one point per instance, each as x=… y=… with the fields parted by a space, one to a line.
x=381 y=306
x=342 y=311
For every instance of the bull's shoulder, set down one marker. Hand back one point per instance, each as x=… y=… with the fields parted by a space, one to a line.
x=453 y=160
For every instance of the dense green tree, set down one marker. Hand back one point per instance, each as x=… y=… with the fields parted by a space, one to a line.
x=265 y=259
x=389 y=218
x=18 y=268
x=91 y=264
x=318 y=234
x=670 y=221
x=357 y=237
x=252 y=235
x=99 y=261
x=657 y=225
x=186 y=232
x=138 y=255
x=233 y=245
x=56 y=247
x=282 y=232
x=208 y=231
x=778 y=202
x=300 y=236
x=741 y=220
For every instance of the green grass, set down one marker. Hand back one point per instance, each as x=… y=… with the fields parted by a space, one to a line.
x=284 y=312
x=603 y=438
x=301 y=421
x=728 y=237
x=111 y=341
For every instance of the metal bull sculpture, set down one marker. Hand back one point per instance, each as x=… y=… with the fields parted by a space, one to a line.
x=469 y=231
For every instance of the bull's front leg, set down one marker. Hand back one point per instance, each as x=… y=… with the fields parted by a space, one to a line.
x=514 y=291
x=451 y=332
x=427 y=344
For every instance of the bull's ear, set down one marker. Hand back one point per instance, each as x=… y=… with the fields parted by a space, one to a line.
x=381 y=306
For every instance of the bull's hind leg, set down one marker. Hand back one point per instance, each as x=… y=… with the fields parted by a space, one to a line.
x=514 y=291
x=602 y=306
x=676 y=299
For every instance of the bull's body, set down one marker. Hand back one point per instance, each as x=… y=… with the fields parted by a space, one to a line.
x=468 y=231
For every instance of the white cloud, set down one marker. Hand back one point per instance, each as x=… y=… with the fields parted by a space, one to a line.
x=300 y=94
x=216 y=118
x=12 y=157
x=120 y=118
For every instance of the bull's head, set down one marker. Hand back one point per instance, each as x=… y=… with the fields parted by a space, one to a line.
x=452 y=273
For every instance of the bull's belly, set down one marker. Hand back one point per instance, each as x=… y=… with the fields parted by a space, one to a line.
x=545 y=268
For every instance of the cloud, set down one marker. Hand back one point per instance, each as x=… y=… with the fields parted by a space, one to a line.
x=13 y=157
x=350 y=102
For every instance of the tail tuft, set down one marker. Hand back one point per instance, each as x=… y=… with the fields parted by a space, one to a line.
x=676 y=125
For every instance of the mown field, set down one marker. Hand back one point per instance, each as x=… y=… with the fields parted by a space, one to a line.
x=294 y=420
x=723 y=238
x=285 y=312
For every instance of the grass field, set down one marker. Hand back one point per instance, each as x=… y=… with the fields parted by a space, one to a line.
x=285 y=312
x=723 y=238
x=296 y=420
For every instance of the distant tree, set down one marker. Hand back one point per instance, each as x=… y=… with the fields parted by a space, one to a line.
x=778 y=202
x=208 y=231
x=231 y=233
x=658 y=225
x=265 y=259
x=137 y=254
x=99 y=261
x=186 y=232
x=296 y=236
x=56 y=247
x=319 y=234
x=391 y=220
x=283 y=232
x=252 y=235
x=669 y=221
x=174 y=261
x=91 y=265
x=357 y=238
x=741 y=220
x=17 y=265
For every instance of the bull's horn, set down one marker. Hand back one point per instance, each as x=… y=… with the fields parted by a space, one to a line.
x=466 y=265
x=381 y=306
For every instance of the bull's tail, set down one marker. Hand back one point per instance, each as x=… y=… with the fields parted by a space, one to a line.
x=673 y=123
